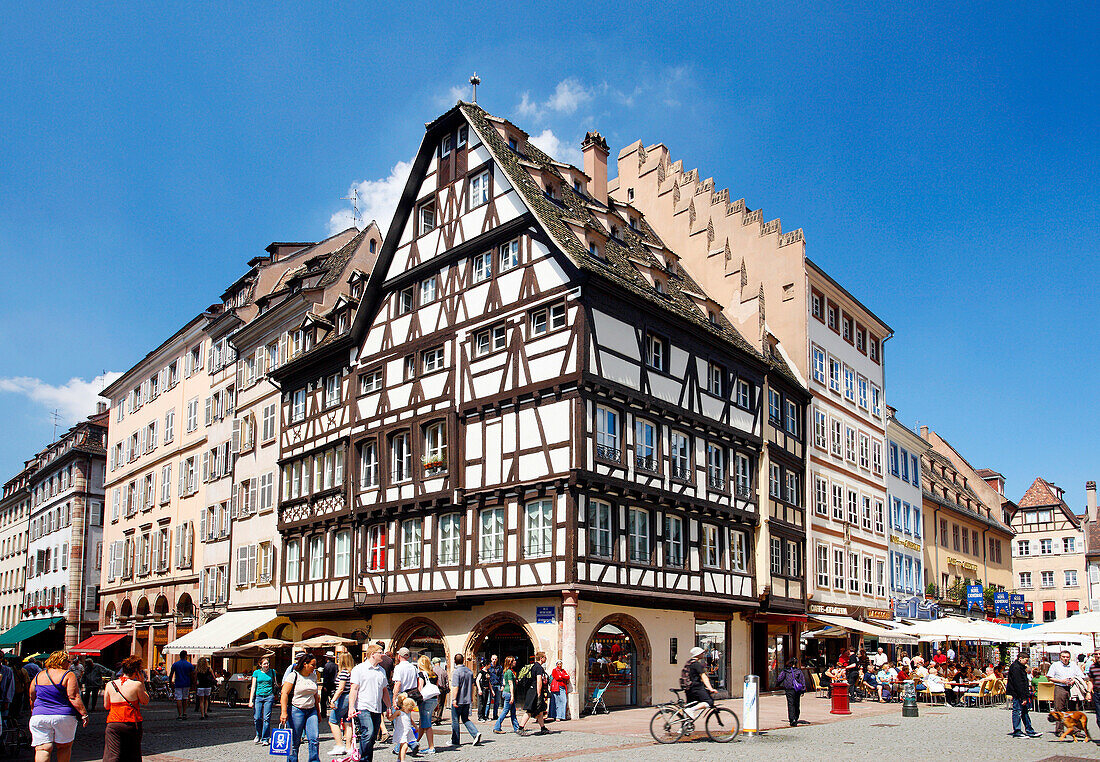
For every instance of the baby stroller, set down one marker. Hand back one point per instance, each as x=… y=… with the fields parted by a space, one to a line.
x=595 y=701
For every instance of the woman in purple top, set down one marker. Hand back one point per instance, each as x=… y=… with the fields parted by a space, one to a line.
x=55 y=707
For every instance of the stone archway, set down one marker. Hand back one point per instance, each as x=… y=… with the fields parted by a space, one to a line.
x=500 y=620
x=423 y=631
x=643 y=655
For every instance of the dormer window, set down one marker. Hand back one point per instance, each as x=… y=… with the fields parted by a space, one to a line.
x=614 y=231
x=513 y=144
x=712 y=316
x=658 y=286
x=446 y=146
x=633 y=222
x=373 y=245
x=550 y=190
x=463 y=131
x=577 y=186
x=593 y=249
x=342 y=322
x=427 y=217
x=357 y=289
x=629 y=194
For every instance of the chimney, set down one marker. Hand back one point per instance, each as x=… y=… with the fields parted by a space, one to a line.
x=924 y=432
x=100 y=407
x=1090 y=493
x=595 y=152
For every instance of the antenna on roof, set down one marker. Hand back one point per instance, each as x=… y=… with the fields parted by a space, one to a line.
x=56 y=416
x=475 y=81
x=354 y=199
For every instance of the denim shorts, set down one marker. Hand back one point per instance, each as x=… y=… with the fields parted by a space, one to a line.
x=339 y=713
x=427 y=709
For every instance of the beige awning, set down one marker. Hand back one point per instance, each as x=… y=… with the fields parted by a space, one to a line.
x=842 y=623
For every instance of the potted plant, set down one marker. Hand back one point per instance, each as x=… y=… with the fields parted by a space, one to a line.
x=931 y=591
x=432 y=462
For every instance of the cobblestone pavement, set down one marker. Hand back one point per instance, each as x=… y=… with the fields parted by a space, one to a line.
x=938 y=733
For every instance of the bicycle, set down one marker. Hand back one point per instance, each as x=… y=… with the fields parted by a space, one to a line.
x=677 y=719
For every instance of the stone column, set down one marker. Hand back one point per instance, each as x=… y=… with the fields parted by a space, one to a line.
x=569 y=648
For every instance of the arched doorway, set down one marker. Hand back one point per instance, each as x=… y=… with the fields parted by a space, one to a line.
x=421 y=636
x=109 y=615
x=504 y=634
x=618 y=656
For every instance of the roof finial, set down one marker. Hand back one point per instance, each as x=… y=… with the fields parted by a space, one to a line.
x=475 y=81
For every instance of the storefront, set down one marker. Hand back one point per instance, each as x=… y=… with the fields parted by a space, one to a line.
x=612 y=662
x=713 y=637
x=852 y=627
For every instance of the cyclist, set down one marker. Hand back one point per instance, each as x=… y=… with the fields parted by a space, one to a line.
x=695 y=670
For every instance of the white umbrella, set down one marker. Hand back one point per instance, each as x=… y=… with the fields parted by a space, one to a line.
x=324 y=641
x=1081 y=624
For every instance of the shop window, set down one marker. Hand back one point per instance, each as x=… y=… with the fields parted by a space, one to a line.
x=612 y=661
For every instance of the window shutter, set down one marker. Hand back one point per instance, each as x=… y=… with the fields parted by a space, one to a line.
x=252 y=564
x=252 y=493
x=188 y=543
x=153 y=435
x=206 y=466
x=260 y=369
x=178 y=548
x=233 y=508
x=202 y=525
x=242 y=566
x=207 y=409
x=183 y=487
x=236 y=440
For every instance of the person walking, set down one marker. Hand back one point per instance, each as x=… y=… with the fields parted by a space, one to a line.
x=338 y=707
x=261 y=699
x=123 y=701
x=534 y=704
x=55 y=707
x=1092 y=674
x=1018 y=686
x=443 y=681
x=508 y=695
x=496 y=681
x=91 y=682
x=405 y=680
x=7 y=690
x=369 y=699
x=484 y=693
x=793 y=683
x=328 y=678
x=404 y=737
x=300 y=703
x=559 y=691
x=204 y=686
x=1063 y=673
x=182 y=674
x=429 y=699
x=462 y=696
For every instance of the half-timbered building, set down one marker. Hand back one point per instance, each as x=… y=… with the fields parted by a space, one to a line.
x=539 y=434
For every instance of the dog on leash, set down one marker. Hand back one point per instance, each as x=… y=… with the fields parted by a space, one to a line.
x=1071 y=723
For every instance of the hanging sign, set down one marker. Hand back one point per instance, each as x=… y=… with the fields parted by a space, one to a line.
x=1000 y=603
x=974 y=597
x=1018 y=607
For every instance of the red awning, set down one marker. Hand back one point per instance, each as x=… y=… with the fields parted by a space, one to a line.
x=1048 y=605
x=1072 y=606
x=94 y=645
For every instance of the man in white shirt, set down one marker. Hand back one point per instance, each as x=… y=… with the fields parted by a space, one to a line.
x=370 y=696
x=405 y=679
x=1062 y=673
x=950 y=653
x=880 y=659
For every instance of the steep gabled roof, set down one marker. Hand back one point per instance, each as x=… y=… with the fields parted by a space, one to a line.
x=1042 y=494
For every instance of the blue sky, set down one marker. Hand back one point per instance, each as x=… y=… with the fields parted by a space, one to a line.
x=942 y=160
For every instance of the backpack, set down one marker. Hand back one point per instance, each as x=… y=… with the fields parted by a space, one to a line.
x=524 y=680
x=796 y=680
x=685 y=676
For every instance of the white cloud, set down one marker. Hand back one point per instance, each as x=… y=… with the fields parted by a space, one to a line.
x=570 y=153
x=74 y=400
x=377 y=200
x=569 y=95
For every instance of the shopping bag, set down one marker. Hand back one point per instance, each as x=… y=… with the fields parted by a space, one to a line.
x=280 y=742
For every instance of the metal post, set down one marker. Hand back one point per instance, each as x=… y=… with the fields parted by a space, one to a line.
x=909 y=704
x=750 y=706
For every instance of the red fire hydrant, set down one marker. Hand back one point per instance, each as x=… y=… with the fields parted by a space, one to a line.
x=840 y=699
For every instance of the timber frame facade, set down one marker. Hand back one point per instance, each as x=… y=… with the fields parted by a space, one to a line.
x=536 y=402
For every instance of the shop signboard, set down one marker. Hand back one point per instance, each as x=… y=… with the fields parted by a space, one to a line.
x=974 y=597
x=1016 y=600
x=1000 y=603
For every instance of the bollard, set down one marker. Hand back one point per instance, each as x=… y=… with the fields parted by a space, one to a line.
x=839 y=693
x=750 y=707
x=909 y=703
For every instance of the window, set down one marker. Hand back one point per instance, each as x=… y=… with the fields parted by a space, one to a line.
x=849 y=384
x=435 y=448
x=846 y=328
x=1046 y=579
x=816 y=305
x=482 y=266
x=1046 y=547
x=645 y=452
x=744 y=394
x=599 y=529
x=427 y=290
x=838 y=502
x=862 y=386
x=853 y=507
x=872 y=349
x=297 y=405
x=775 y=407
x=607 y=433
x=830 y=311
x=853 y=573
x=492 y=535
x=368 y=464
x=432 y=360
x=712 y=552
x=867 y=516
x=738 y=552
x=317 y=557
x=656 y=352
x=775 y=481
x=192 y=415
x=821 y=434
x=267 y=431
x=342 y=554
x=411 y=530
x=638 y=535
x=876 y=401
x=837 y=438
x=376 y=548
x=680 y=455
x=427 y=217
x=834 y=375
x=547 y=319
x=410 y=368
x=819 y=365
x=508 y=255
x=489 y=340
x=1025 y=580
x=744 y=474
x=821 y=496
x=822 y=566
x=538 y=529
x=914 y=470
x=861 y=339
x=1069 y=544
x=370 y=382
x=400 y=457
x=864 y=454
x=880 y=578
x=450 y=539
x=850 y=444
x=716 y=466
x=479 y=189
x=966 y=541
x=876 y=456
x=838 y=569
x=793 y=493
x=332 y=390
x=1071 y=578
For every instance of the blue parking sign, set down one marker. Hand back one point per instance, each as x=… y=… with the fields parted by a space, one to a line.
x=280 y=742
